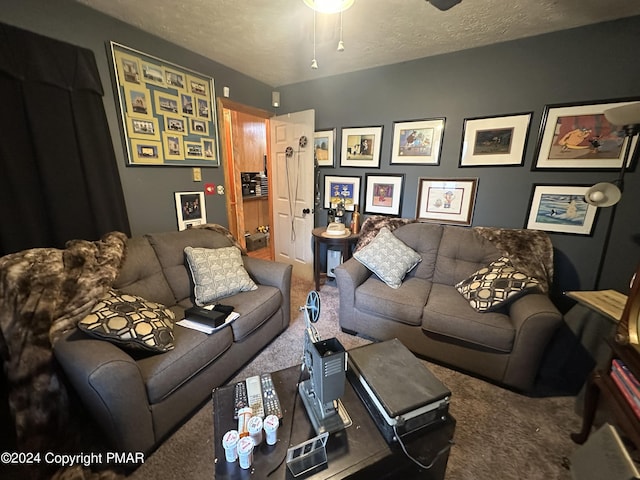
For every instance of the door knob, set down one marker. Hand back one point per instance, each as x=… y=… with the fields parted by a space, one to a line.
x=305 y=211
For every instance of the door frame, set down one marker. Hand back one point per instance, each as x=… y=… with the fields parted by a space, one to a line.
x=232 y=185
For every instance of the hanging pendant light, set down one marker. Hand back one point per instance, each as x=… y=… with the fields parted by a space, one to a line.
x=340 y=43
x=314 y=62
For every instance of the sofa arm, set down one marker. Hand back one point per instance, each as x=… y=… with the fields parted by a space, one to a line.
x=349 y=276
x=274 y=274
x=535 y=319
x=111 y=387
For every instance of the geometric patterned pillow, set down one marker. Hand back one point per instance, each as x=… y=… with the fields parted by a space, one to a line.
x=388 y=257
x=130 y=321
x=495 y=285
x=217 y=273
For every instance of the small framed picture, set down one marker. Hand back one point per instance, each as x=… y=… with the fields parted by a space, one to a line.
x=446 y=200
x=561 y=209
x=579 y=136
x=384 y=194
x=190 y=209
x=325 y=147
x=417 y=142
x=338 y=188
x=361 y=147
x=495 y=141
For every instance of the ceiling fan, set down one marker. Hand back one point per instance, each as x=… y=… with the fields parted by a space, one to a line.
x=444 y=4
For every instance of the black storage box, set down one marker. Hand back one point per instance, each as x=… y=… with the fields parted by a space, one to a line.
x=256 y=241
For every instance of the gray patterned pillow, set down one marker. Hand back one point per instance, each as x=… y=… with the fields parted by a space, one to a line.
x=495 y=285
x=217 y=273
x=388 y=257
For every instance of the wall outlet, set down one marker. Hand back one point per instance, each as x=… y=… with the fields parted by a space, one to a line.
x=197 y=174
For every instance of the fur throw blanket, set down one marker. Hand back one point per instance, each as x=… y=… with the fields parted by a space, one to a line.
x=530 y=251
x=43 y=293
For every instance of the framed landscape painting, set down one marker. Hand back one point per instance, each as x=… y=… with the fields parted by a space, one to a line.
x=561 y=209
x=417 y=142
x=383 y=194
x=446 y=200
x=361 y=147
x=324 y=145
x=495 y=141
x=579 y=136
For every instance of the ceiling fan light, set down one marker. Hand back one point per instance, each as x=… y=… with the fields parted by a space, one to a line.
x=329 y=6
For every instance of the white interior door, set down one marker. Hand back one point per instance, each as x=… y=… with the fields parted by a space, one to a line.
x=292 y=189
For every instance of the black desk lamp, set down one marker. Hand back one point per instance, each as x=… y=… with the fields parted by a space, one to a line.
x=608 y=194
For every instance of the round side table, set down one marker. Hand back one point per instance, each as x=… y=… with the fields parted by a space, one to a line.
x=345 y=243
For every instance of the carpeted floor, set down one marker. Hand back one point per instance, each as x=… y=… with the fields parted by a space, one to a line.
x=499 y=434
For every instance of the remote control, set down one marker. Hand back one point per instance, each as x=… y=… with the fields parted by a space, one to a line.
x=254 y=392
x=270 y=396
x=240 y=399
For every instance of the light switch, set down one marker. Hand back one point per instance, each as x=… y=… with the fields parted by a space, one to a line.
x=197 y=174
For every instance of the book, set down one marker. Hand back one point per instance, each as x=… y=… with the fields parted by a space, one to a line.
x=628 y=376
x=633 y=402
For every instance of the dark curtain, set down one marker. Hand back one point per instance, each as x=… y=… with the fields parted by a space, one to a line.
x=58 y=173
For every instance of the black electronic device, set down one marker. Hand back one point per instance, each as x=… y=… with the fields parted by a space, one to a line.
x=401 y=394
x=240 y=398
x=205 y=316
x=270 y=399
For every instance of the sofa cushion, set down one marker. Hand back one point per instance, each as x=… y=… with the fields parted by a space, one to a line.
x=495 y=285
x=194 y=351
x=169 y=248
x=141 y=274
x=404 y=304
x=448 y=314
x=424 y=238
x=462 y=252
x=217 y=273
x=130 y=321
x=388 y=257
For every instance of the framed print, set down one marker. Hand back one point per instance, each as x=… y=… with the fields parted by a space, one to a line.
x=383 y=194
x=337 y=188
x=418 y=142
x=190 y=209
x=495 y=141
x=156 y=97
x=579 y=136
x=560 y=208
x=361 y=147
x=446 y=200
x=325 y=149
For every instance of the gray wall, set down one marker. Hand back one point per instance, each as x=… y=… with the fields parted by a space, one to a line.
x=591 y=63
x=148 y=190
x=586 y=64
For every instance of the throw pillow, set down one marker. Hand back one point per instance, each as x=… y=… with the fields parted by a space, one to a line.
x=495 y=285
x=388 y=257
x=131 y=321
x=217 y=273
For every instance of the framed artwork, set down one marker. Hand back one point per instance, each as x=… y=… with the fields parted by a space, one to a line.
x=579 y=136
x=337 y=188
x=158 y=101
x=495 y=141
x=561 y=209
x=417 y=142
x=325 y=147
x=361 y=147
x=190 y=209
x=446 y=200
x=383 y=194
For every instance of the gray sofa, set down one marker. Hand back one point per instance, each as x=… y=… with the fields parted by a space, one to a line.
x=435 y=321
x=138 y=399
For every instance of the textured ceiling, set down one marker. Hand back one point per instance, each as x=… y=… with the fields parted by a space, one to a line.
x=272 y=40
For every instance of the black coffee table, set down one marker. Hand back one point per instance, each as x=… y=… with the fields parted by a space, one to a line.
x=359 y=451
